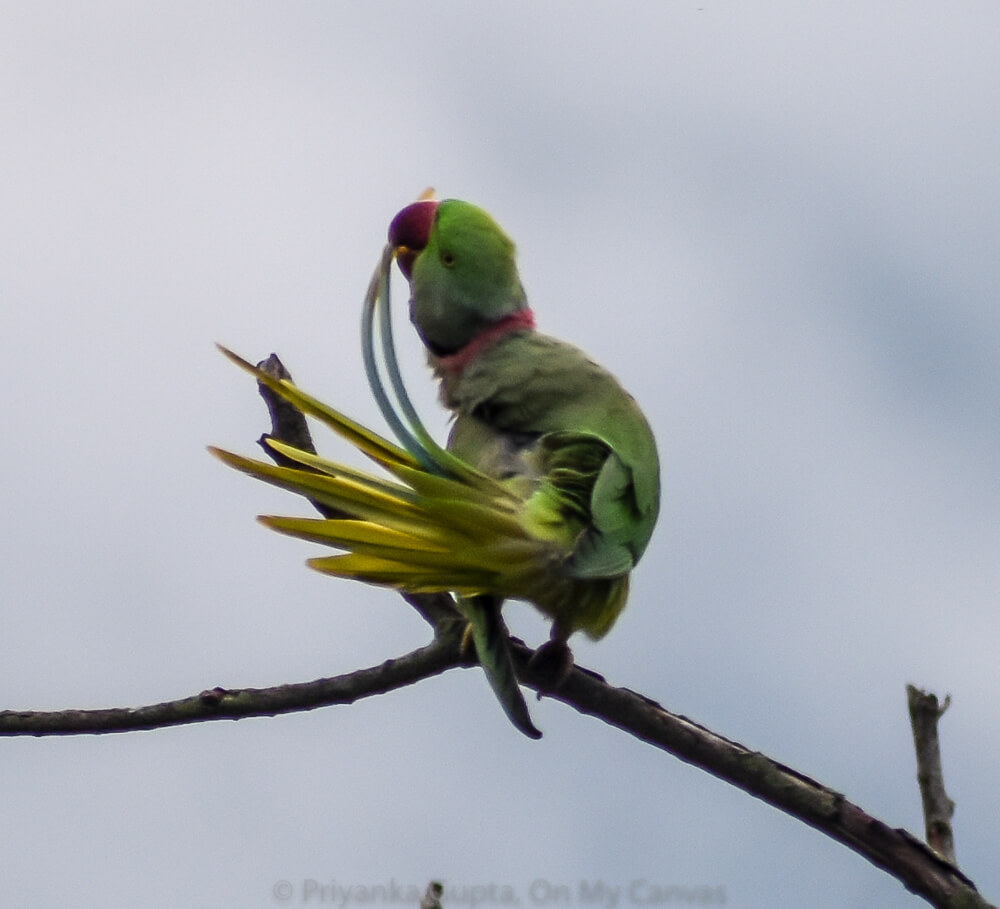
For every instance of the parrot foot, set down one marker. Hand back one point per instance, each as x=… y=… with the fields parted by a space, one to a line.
x=552 y=662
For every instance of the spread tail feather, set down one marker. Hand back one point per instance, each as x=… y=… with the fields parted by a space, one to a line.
x=434 y=534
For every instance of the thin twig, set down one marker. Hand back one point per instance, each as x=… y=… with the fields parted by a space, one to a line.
x=938 y=808
x=432 y=896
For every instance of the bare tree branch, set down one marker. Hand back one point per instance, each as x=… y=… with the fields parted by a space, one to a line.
x=237 y=703
x=288 y=423
x=896 y=851
x=938 y=808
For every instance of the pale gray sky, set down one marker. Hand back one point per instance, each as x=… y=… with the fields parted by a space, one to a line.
x=777 y=224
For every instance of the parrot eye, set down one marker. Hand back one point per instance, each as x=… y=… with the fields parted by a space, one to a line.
x=447 y=259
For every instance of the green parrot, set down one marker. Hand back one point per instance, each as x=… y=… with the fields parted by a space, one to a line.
x=548 y=490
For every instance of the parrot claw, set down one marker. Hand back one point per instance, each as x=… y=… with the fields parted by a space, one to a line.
x=551 y=663
x=467 y=646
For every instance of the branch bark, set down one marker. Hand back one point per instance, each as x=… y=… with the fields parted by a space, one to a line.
x=925 y=711
x=236 y=703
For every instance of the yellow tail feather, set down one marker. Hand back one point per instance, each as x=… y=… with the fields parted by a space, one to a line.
x=346 y=495
x=362 y=438
x=403 y=576
x=357 y=536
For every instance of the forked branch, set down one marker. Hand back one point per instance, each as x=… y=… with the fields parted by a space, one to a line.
x=899 y=853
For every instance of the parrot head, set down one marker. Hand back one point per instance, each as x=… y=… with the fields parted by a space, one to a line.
x=461 y=268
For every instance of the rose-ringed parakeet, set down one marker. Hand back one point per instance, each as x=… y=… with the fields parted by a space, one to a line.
x=549 y=488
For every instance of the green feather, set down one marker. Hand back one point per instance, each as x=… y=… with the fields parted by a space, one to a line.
x=490 y=636
x=548 y=490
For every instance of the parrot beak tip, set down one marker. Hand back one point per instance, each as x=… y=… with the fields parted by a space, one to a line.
x=405 y=257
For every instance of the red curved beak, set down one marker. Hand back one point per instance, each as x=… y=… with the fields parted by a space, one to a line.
x=410 y=230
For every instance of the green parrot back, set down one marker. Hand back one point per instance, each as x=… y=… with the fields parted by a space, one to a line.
x=539 y=414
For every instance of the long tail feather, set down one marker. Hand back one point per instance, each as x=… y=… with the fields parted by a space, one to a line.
x=408 y=427
x=378 y=289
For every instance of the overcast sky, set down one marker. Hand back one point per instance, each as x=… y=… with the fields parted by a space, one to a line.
x=778 y=225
